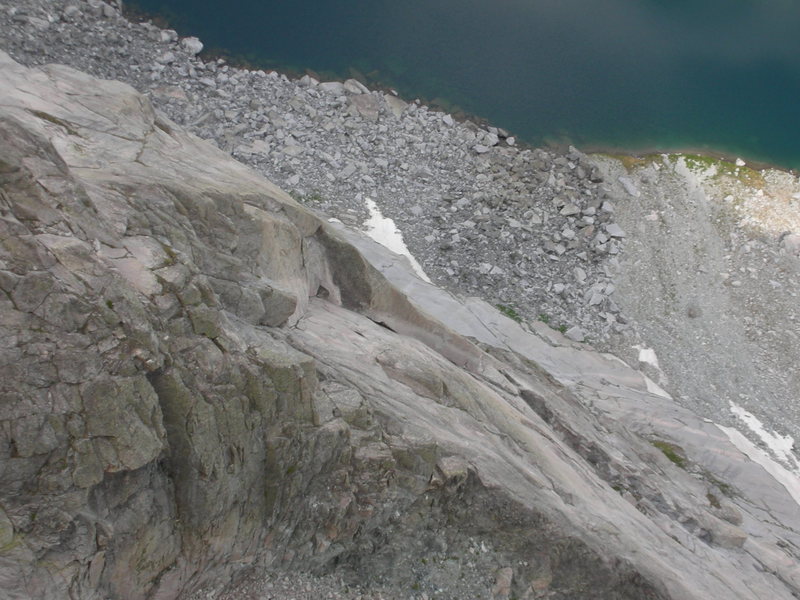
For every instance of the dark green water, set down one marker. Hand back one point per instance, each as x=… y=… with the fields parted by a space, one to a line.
x=718 y=75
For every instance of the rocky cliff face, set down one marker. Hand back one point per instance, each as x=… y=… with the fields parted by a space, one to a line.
x=685 y=262
x=202 y=377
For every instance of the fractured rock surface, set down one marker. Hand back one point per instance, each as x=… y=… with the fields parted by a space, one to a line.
x=204 y=379
x=481 y=214
x=649 y=257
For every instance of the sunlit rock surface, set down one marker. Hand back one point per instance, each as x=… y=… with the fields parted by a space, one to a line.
x=200 y=376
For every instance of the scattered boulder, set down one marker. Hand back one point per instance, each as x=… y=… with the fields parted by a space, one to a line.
x=332 y=87
x=615 y=230
x=791 y=244
x=192 y=45
x=354 y=86
x=366 y=105
x=576 y=334
x=629 y=186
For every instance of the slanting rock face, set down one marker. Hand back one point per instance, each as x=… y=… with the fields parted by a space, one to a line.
x=200 y=376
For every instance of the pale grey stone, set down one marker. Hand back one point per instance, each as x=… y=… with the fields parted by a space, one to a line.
x=71 y=11
x=192 y=45
x=575 y=333
x=366 y=105
x=165 y=35
x=292 y=150
x=629 y=186
x=332 y=87
x=791 y=243
x=347 y=171
x=491 y=139
x=615 y=231
x=596 y=298
x=396 y=105
x=569 y=210
x=355 y=87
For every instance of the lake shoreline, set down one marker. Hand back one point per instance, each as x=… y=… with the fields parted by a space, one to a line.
x=717 y=155
x=137 y=14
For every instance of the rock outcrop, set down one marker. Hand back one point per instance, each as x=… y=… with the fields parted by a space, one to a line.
x=509 y=224
x=599 y=247
x=202 y=377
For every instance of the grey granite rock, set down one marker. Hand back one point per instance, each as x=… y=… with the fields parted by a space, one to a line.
x=160 y=433
x=192 y=45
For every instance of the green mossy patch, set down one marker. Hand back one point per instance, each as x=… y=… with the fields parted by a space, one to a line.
x=724 y=168
x=723 y=487
x=509 y=312
x=674 y=453
x=632 y=161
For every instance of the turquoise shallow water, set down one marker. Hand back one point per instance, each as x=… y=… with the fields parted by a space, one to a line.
x=720 y=75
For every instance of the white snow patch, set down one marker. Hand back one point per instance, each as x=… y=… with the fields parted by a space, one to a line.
x=648 y=356
x=788 y=479
x=386 y=233
x=654 y=388
x=781 y=445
